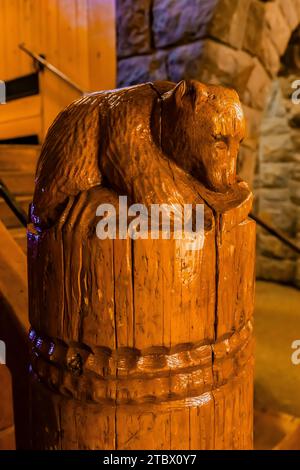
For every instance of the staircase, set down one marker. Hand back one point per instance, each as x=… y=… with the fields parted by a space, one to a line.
x=17 y=170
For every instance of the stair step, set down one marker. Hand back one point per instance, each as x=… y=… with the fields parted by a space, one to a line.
x=18 y=183
x=19 y=157
x=21 y=118
x=20 y=236
x=7 y=216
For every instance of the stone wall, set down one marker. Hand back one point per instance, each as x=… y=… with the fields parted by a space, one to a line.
x=236 y=43
x=160 y=39
x=278 y=182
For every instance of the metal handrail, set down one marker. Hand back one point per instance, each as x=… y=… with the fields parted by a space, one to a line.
x=276 y=233
x=13 y=203
x=45 y=64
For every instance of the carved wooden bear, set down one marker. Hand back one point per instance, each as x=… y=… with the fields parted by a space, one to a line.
x=142 y=344
x=152 y=142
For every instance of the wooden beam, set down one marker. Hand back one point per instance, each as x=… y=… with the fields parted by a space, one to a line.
x=102 y=44
x=20 y=117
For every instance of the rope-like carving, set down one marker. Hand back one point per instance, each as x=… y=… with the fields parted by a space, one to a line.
x=123 y=376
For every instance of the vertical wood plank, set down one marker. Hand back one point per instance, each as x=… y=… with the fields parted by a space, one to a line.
x=49 y=83
x=11 y=39
x=82 y=52
x=151 y=290
x=26 y=28
x=36 y=26
x=102 y=44
x=2 y=43
x=67 y=55
x=142 y=429
x=123 y=293
x=180 y=429
x=202 y=424
x=87 y=424
x=96 y=317
x=236 y=253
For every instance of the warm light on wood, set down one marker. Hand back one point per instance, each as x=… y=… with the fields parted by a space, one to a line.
x=78 y=37
x=142 y=344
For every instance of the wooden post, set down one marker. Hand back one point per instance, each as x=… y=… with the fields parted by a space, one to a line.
x=142 y=344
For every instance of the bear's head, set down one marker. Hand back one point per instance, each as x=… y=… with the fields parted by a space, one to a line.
x=202 y=127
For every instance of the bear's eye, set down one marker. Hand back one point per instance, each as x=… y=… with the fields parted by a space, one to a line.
x=219 y=138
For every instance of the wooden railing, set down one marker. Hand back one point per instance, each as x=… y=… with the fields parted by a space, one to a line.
x=43 y=63
x=12 y=203
x=275 y=233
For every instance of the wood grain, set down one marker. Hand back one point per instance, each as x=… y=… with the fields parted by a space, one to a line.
x=76 y=36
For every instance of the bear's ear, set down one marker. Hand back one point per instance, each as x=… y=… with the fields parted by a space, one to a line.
x=179 y=91
x=185 y=90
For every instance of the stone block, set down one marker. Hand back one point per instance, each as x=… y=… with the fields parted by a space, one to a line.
x=295 y=192
x=184 y=62
x=224 y=65
x=133 y=27
x=295 y=157
x=280 y=213
x=286 y=86
x=256 y=187
x=281 y=195
x=140 y=69
x=295 y=138
x=277 y=148
x=229 y=22
x=275 y=270
x=275 y=105
x=180 y=21
x=277 y=155
x=269 y=55
x=278 y=27
x=253 y=122
x=297 y=223
x=270 y=246
x=297 y=8
x=221 y=64
x=247 y=160
x=257 y=88
x=276 y=175
x=294 y=120
x=255 y=26
x=274 y=125
x=258 y=35
x=289 y=10
x=295 y=176
x=297 y=274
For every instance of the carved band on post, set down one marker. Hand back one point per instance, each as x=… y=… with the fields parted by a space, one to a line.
x=142 y=344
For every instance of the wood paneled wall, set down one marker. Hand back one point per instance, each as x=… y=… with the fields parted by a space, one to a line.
x=77 y=36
